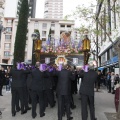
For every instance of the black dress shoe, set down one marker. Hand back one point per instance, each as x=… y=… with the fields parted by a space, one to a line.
x=18 y=110
x=70 y=118
x=95 y=119
x=73 y=107
x=29 y=108
x=42 y=115
x=1 y=95
x=23 y=112
x=63 y=115
x=13 y=114
x=53 y=106
x=34 y=116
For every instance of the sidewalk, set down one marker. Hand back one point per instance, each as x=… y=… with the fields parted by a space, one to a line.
x=104 y=102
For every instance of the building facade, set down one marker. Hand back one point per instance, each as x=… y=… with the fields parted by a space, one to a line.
x=2 y=2
x=53 y=9
x=43 y=25
x=108 y=22
x=2 y=8
x=32 y=8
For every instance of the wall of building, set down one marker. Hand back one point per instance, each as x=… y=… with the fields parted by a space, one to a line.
x=2 y=5
x=107 y=53
x=53 y=9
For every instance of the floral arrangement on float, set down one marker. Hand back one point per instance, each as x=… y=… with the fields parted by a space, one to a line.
x=64 y=45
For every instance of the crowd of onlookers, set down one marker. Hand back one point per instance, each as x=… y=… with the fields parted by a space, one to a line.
x=5 y=79
x=110 y=80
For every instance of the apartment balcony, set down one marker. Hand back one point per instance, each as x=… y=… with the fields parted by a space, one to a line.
x=8 y=32
x=7 y=40
x=2 y=2
x=9 y=24
x=6 y=57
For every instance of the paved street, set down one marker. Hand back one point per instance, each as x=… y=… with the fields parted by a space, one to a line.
x=104 y=102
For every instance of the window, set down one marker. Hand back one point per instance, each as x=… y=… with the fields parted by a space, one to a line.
x=6 y=53
x=43 y=33
x=103 y=58
x=114 y=53
x=69 y=26
x=9 y=22
x=7 y=38
x=44 y=25
x=52 y=32
x=36 y=25
x=43 y=39
x=7 y=46
x=8 y=29
x=62 y=26
x=52 y=25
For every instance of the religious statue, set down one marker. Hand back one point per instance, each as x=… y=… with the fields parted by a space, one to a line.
x=37 y=48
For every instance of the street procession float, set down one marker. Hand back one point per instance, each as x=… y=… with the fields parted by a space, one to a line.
x=61 y=51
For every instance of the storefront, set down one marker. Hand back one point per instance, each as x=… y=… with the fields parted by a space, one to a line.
x=111 y=65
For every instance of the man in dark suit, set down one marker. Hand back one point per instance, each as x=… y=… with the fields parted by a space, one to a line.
x=2 y=79
x=49 y=97
x=87 y=92
x=64 y=92
x=37 y=91
x=17 y=88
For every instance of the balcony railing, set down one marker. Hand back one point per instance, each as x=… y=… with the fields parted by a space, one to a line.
x=9 y=24
x=7 y=40
x=6 y=56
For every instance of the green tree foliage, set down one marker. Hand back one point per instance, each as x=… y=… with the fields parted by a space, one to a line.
x=20 y=40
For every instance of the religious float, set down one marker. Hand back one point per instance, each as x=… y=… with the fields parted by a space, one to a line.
x=62 y=51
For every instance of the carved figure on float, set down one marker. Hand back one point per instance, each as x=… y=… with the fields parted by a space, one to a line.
x=64 y=43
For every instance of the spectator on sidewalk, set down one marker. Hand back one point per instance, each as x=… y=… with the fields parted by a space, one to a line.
x=117 y=79
x=112 y=81
x=2 y=79
x=98 y=81
x=109 y=82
